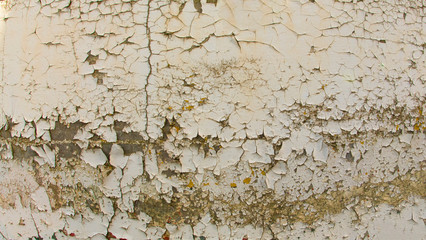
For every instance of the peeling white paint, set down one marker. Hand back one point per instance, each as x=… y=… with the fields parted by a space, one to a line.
x=93 y=157
x=234 y=99
x=45 y=155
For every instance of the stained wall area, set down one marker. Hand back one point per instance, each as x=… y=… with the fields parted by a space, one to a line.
x=212 y=119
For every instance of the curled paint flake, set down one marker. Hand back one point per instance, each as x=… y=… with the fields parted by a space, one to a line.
x=45 y=155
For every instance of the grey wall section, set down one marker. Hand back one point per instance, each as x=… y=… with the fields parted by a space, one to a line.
x=212 y=119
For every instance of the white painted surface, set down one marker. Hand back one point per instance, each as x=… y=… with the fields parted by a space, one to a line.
x=294 y=97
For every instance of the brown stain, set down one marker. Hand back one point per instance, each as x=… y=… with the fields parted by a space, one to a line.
x=183 y=208
x=212 y=1
x=18 y=182
x=55 y=196
x=63 y=134
x=64 y=131
x=197 y=6
x=267 y=210
x=75 y=195
x=187 y=207
x=190 y=206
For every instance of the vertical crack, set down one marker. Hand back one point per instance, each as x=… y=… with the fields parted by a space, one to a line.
x=148 y=35
x=3 y=8
x=35 y=225
x=110 y=222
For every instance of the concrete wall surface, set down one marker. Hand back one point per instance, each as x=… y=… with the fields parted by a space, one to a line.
x=212 y=119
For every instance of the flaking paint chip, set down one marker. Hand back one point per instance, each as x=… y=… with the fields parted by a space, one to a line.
x=45 y=155
x=116 y=156
x=93 y=157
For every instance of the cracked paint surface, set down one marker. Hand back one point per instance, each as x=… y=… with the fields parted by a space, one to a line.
x=217 y=119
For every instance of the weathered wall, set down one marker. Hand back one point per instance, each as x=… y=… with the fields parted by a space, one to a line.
x=224 y=119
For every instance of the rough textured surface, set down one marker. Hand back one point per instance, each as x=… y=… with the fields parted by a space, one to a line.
x=217 y=119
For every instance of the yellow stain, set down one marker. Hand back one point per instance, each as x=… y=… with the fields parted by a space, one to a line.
x=397 y=127
x=417 y=127
x=233 y=185
x=262 y=172
x=206 y=184
x=362 y=142
x=189 y=107
x=203 y=100
x=190 y=184
x=247 y=180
